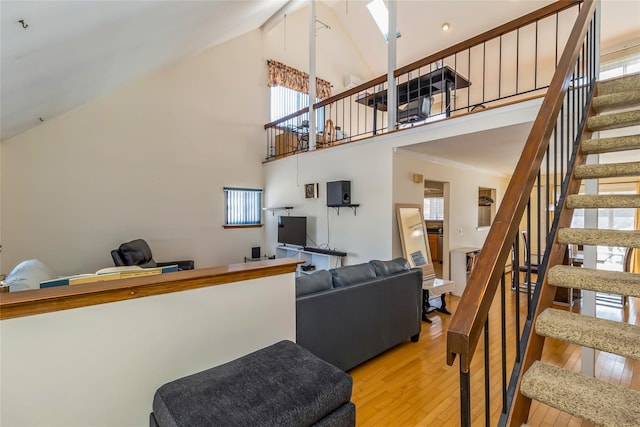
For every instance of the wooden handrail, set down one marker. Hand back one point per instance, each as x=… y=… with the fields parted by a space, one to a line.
x=468 y=322
x=529 y=18
x=287 y=117
x=39 y=301
x=522 y=21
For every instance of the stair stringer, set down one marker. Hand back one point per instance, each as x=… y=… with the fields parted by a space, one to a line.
x=609 y=414
x=533 y=347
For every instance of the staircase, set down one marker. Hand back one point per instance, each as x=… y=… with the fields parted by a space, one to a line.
x=616 y=105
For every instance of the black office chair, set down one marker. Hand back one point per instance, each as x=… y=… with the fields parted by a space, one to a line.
x=415 y=110
x=525 y=267
x=138 y=252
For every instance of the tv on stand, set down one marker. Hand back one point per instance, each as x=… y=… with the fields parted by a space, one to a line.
x=292 y=230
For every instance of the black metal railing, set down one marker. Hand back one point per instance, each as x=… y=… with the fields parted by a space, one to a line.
x=506 y=64
x=525 y=228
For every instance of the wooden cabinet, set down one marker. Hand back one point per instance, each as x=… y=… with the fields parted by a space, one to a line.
x=433 y=247
x=286 y=143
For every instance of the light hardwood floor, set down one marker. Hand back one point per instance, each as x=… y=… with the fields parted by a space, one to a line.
x=411 y=384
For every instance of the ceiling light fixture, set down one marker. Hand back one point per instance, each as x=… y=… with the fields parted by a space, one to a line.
x=380 y=14
x=446 y=26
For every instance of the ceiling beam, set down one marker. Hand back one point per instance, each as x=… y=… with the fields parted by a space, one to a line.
x=289 y=7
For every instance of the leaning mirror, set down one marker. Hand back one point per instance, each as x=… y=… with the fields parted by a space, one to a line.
x=413 y=238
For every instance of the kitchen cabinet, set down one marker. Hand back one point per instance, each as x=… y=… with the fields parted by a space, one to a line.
x=433 y=247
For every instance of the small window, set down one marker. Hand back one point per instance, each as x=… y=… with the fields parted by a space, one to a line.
x=243 y=206
x=434 y=208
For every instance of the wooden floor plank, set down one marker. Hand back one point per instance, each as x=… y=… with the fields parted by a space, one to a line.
x=411 y=385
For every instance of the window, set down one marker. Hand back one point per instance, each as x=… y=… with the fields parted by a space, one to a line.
x=243 y=206
x=285 y=101
x=609 y=257
x=619 y=64
x=290 y=94
x=434 y=208
x=380 y=14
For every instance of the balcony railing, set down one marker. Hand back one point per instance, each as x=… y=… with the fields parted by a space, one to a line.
x=512 y=62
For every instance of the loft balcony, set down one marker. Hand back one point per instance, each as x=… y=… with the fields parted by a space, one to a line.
x=511 y=63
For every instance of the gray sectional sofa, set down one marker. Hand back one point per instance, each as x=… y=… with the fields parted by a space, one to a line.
x=350 y=314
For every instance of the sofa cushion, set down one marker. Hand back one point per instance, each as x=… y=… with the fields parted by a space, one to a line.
x=387 y=268
x=280 y=385
x=28 y=275
x=315 y=282
x=352 y=274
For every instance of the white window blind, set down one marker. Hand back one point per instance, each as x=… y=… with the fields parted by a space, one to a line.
x=285 y=101
x=434 y=208
x=243 y=206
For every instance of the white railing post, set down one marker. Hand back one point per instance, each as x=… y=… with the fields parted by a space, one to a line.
x=312 y=74
x=588 y=307
x=392 y=104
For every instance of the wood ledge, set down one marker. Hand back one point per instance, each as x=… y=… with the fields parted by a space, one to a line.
x=40 y=301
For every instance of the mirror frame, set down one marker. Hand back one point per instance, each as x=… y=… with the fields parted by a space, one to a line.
x=427 y=269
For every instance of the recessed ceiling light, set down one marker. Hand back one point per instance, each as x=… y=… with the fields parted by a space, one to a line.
x=446 y=26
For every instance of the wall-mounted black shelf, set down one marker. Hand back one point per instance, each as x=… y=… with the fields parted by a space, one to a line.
x=352 y=206
x=279 y=208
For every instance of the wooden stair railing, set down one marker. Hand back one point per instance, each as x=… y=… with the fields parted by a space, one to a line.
x=467 y=324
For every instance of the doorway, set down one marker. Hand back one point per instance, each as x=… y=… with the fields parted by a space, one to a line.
x=436 y=217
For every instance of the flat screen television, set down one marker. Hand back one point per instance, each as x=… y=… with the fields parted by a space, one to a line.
x=292 y=230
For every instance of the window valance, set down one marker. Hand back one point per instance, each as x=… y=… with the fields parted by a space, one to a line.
x=283 y=75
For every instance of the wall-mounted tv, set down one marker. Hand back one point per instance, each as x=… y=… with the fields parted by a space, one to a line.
x=292 y=230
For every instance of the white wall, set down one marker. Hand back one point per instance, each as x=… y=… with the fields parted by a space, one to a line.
x=336 y=57
x=2 y=271
x=101 y=365
x=463 y=183
x=363 y=234
x=150 y=159
x=379 y=179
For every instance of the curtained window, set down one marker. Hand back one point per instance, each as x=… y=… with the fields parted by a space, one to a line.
x=290 y=93
x=283 y=75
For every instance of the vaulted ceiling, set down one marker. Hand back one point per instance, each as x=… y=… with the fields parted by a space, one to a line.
x=67 y=53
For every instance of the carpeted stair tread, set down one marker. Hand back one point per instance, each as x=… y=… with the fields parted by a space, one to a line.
x=610 y=282
x=585 y=397
x=626 y=83
x=580 y=201
x=595 y=237
x=613 y=120
x=608 y=145
x=616 y=100
x=607 y=170
x=600 y=334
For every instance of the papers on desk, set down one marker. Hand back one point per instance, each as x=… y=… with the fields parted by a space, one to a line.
x=106 y=274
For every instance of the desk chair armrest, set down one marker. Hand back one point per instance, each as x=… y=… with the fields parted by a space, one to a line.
x=182 y=265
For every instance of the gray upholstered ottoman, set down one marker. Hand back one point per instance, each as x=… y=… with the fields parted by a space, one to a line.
x=280 y=385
